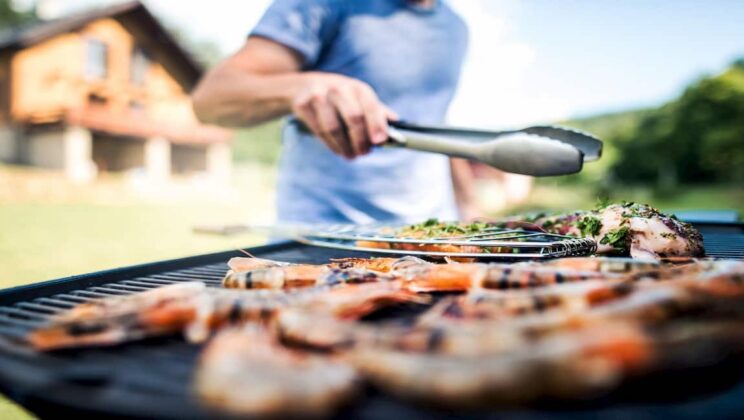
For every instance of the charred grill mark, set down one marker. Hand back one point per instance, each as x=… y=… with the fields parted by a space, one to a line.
x=434 y=339
x=538 y=303
x=559 y=277
x=266 y=313
x=236 y=311
x=85 y=328
x=453 y=310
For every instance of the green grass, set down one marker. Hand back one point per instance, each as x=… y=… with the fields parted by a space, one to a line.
x=40 y=241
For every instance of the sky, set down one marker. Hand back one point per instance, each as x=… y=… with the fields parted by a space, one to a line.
x=538 y=61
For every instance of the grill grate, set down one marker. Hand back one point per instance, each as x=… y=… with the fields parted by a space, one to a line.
x=151 y=378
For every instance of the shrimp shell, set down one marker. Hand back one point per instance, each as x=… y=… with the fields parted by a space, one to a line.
x=245 y=371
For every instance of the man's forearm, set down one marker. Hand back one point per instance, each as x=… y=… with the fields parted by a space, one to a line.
x=229 y=97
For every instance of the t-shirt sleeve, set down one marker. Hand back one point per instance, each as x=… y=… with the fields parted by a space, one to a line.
x=305 y=26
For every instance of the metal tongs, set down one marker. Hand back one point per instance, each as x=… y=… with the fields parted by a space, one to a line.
x=536 y=151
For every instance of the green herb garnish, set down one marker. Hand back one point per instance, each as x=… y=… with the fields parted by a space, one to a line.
x=617 y=238
x=589 y=225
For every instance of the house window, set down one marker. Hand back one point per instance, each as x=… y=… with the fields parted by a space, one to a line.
x=96 y=65
x=139 y=65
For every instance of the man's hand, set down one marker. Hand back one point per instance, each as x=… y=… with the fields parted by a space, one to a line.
x=264 y=80
x=344 y=113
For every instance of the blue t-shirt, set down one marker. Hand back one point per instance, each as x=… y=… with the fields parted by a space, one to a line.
x=411 y=57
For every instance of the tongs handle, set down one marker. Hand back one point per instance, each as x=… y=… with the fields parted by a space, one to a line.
x=431 y=143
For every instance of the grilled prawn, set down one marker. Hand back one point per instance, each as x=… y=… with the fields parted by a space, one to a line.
x=197 y=311
x=581 y=363
x=253 y=274
x=245 y=371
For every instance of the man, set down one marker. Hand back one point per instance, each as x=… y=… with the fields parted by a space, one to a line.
x=344 y=68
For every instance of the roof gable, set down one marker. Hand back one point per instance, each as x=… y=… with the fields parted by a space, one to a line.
x=133 y=15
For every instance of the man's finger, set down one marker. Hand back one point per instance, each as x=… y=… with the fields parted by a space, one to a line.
x=305 y=112
x=391 y=115
x=350 y=110
x=331 y=126
x=376 y=117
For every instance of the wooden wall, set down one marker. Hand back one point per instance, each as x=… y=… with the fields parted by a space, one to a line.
x=49 y=78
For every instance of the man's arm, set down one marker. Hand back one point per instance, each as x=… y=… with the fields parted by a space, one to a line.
x=264 y=80
x=463 y=183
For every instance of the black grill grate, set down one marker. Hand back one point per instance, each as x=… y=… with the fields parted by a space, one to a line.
x=151 y=378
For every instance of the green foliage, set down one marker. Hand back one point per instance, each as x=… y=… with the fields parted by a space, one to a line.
x=611 y=128
x=698 y=137
x=260 y=144
x=11 y=15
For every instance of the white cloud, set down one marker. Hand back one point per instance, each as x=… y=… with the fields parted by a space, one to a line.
x=494 y=91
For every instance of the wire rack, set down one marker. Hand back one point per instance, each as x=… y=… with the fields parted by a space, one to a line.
x=488 y=243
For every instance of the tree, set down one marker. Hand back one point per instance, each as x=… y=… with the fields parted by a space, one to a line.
x=698 y=137
x=11 y=15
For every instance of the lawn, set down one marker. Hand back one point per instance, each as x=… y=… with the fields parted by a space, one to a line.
x=47 y=233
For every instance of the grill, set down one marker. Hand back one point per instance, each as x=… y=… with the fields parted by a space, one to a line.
x=151 y=378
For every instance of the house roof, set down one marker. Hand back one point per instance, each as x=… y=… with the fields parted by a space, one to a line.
x=148 y=31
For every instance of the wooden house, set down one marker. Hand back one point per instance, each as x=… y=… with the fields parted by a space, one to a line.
x=104 y=91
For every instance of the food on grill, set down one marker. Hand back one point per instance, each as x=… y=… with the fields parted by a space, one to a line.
x=603 y=264
x=247 y=371
x=246 y=273
x=629 y=229
x=466 y=276
x=195 y=310
x=122 y=318
x=435 y=229
x=638 y=230
x=577 y=364
x=573 y=328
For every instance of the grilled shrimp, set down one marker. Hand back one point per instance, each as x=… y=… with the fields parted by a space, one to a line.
x=345 y=270
x=197 y=311
x=325 y=322
x=463 y=277
x=602 y=264
x=245 y=371
x=579 y=363
x=496 y=304
x=251 y=263
x=383 y=265
x=357 y=300
x=188 y=308
x=117 y=319
x=322 y=331
x=275 y=277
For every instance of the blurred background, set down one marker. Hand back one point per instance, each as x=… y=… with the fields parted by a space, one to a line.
x=102 y=163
